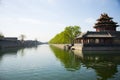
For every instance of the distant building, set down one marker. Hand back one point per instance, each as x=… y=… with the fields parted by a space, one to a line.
x=13 y=42
x=104 y=36
x=9 y=42
x=10 y=38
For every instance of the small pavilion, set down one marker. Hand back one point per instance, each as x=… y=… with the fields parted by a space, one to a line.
x=105 y=34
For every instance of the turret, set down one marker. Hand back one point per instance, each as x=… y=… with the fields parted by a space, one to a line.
x=105 y=23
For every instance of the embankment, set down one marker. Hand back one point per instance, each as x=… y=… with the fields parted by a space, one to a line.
x=87 y=48
x=61 y=46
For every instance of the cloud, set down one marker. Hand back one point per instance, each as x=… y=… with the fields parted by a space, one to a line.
x=90 y=20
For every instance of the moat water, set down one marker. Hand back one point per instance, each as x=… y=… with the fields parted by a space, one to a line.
x=46 y=62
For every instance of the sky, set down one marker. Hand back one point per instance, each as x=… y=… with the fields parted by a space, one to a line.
x=43 y=19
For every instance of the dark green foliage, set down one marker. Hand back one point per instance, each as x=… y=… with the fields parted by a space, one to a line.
x=1 y=35
x=68 y=59
x=66 y=36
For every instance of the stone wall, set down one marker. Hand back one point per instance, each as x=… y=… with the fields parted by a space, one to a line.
x=17 y=43
x=61 y=46
x=81 y=48
x=9 y=44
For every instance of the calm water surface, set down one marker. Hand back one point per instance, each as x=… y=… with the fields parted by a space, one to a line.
x=50 y=63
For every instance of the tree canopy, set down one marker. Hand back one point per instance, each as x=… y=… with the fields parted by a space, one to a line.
x=66 y=36
x=22 y=37
x=1 y=35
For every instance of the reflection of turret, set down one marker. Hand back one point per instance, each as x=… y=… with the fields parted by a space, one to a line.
x=70 y=62
x=105 y=65
x=106 y=71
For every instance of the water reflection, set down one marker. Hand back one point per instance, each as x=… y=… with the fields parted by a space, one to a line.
x=22 y=52
x=104 y=63
x=68 y=59
x=10 y=51
x=14 y=51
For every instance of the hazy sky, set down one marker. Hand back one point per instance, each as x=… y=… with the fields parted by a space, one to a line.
x=42 y=19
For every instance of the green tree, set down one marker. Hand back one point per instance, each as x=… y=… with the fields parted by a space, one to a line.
x=68 y=59
x=1 y=35
x=66 y=36
x=71 y=33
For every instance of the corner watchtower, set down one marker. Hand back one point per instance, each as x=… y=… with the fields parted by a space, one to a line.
x=105 y=23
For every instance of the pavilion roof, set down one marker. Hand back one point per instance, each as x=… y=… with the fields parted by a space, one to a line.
x=104 y=34
x=105 y=21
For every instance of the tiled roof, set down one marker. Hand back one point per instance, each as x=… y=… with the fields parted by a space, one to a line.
x=105 y=21
x=104 y=34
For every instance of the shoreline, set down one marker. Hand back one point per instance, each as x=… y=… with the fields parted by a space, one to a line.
x=61 y=46
x=80 y=47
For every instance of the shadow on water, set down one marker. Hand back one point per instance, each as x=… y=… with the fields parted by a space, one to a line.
x=70 y=62
x=10 y=51
x=14 y=51
x=106 y=64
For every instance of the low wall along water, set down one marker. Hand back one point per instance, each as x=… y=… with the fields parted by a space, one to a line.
x=88 y=48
